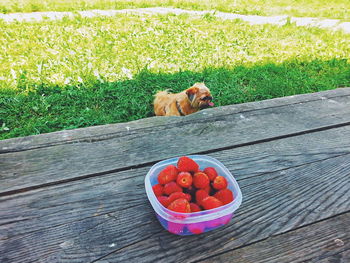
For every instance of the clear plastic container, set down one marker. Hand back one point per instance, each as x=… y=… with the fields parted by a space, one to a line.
x=198 y=222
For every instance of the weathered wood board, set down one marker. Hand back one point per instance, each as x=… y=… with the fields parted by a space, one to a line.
x=81 y=221
x=324 y=241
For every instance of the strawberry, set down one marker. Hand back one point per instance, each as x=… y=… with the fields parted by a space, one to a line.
x=211 y=172
x=211 y=202
x=184 y=179
x=200 y=180
x=168 y=174
x=194 y=207
x=157 y=189
x=196 y=228
x=164 y=200
x=220 y=182
x=180 y=205
x=178 y=195
x=171 y=187
x=188 y=197
x=207 y=189
x=214 y=223
x=225 y=196
x=175 y=228
x=185 y=164
x=200 y=195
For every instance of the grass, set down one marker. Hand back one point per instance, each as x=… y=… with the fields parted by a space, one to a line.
x=81 y=72
x=316 y=8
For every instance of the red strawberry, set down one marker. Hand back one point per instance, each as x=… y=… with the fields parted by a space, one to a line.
x=194 y=207
x=180 y=205
x=188 y=197
x=178 y=195
x=200 y=195
x=211 y=172
x=214 y=223
x=164 y=200
x=220 y=182
x=157 y=189
x=196 y=228
x=207 y=189
x=175 y=228
x=184 y=179
x=211 y=202
x=200 y=180
x=185 y=164
x=225 y=196
x=168 y=174
x=171 y=187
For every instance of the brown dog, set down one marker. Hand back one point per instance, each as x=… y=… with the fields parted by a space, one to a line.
x=186 y=102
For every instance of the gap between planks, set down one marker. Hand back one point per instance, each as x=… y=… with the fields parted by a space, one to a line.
x=291 y=231
x=142 y=165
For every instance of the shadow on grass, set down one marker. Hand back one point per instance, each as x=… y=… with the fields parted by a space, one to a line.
x=52 y=108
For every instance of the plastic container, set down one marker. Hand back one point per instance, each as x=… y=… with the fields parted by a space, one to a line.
x=198 y=222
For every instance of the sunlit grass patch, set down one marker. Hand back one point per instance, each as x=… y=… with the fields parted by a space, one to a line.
x=81 y=51
x=80 y=72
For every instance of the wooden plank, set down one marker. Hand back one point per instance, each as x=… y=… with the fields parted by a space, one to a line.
x=285 y=153
x=341 y=257
x=109 y=217
x=277 y=154
x=313 y=243
x=33 y=168
x=107 y=131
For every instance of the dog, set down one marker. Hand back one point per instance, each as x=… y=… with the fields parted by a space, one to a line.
x=184 y=103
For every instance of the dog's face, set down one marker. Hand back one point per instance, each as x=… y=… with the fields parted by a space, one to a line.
x=199 y=96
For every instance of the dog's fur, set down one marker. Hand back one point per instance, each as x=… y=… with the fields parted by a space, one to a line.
x=184 y=103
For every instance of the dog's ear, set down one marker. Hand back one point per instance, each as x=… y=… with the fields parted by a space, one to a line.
x=191 y=92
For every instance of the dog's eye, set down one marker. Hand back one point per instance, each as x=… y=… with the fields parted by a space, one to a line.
x=207 y=98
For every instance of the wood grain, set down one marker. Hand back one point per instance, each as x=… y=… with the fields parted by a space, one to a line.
x=80 y=221
x=341 y=257
x=243 y=162
x=59 y=163
x=285 y=153
x=105 y=132
x=321 y=241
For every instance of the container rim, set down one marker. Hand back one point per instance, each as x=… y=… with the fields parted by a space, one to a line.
x=186 y=218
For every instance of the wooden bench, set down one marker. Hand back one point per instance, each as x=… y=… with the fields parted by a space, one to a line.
x=79 y=196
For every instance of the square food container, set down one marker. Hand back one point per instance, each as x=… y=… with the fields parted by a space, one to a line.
x=198 y=222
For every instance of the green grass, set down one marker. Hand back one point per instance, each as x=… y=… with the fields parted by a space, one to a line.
x=316 y=8
x=81 y=72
